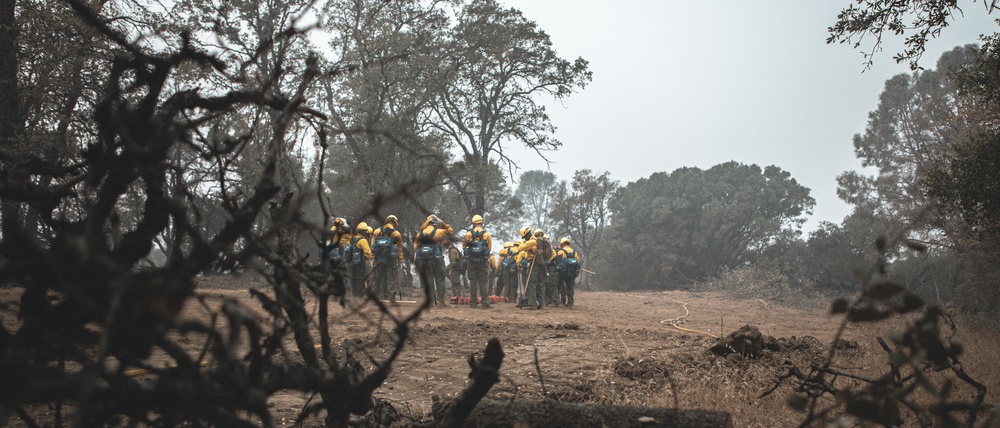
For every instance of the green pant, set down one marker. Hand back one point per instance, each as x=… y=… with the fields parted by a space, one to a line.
x=432 y=271
x=534 y=287
x=386 y=279
x=455 y=276
x=479 y=283
x=358 y=275
x=507 y=285
x=552 y=287
x=566 y=284
x=513 y=284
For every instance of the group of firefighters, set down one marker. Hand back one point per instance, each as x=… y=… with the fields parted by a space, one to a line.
x=528 y=271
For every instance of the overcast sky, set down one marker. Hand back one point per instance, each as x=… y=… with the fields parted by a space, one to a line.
x=693 y=83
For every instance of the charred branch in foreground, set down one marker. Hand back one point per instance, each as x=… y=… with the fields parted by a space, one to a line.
x=483 y=374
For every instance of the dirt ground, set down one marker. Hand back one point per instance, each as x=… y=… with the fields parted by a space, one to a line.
x=611 y=348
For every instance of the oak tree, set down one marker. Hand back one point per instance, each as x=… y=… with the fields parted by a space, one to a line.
x=693 y=224
x=502 y=64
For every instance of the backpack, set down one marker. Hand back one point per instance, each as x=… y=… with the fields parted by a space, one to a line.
x=335 y=254
x=384 y=247
x=352 y=253
x=508 y=264
x=569 y=266
x=526 y=264
x=544 y=249
x=456 y=258
x=428 y=251
x=476 y=251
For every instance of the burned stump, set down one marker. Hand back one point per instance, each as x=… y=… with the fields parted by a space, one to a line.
x=747 y=342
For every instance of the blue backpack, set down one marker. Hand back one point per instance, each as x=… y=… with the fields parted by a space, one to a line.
x=509 y=265
x=352 y=253
x=570 y=266
x=428 y=252
x=476 y=251
x=335 y=254
x=384 y=247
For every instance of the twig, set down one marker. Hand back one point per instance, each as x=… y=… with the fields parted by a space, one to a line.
x=538 y=369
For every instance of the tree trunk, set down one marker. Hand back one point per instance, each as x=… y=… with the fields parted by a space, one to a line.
x=10 y=113
x=479 y=185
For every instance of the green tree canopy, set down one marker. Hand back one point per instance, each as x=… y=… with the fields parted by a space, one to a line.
x=502 y=64
x=692 y=224
x=916 y=122
x=582 y=210
x=536 y=190
x=917 y=21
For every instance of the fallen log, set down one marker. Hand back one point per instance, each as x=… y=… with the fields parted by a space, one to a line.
x=495 y=413
x=468 y=409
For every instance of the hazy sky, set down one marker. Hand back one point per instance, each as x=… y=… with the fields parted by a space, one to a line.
x=693 y=83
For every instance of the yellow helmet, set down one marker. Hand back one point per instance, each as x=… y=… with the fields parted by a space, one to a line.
x=363 y=227
x=525 y=231
x=507 y=244
x=539 y=233
x=477 y=219
x=564 y=241
x=392 y=219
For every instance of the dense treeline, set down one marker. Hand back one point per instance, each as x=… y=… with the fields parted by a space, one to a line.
x=143 y=144
x=930 y=151
x=399 y=81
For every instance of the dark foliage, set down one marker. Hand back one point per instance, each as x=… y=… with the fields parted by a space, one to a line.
x=90 y=311
x=923 y=348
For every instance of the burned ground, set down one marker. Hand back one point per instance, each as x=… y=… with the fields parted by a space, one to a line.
x=633 y=349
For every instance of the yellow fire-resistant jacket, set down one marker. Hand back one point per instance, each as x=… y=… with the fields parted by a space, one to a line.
x=518 y=256
x=394 y=234
x=563 y=253
x=361 y=241
x=442 y=233
x=486 y=237
x=501 y=256
x=528 y=248
x=339 y=239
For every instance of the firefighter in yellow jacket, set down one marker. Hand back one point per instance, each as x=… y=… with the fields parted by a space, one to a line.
x=521 y=270
x=476 y=247
x=387 y=248
x=338 y=237
x=357 y=258
x=507 y=272
x=567 y=267
x=534 y=281
x=428 y=256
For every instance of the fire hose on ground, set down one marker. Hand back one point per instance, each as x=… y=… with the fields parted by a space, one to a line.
x=676 y=321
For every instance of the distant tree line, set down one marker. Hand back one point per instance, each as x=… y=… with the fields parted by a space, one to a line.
x=930 y=152
x=145 y=143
